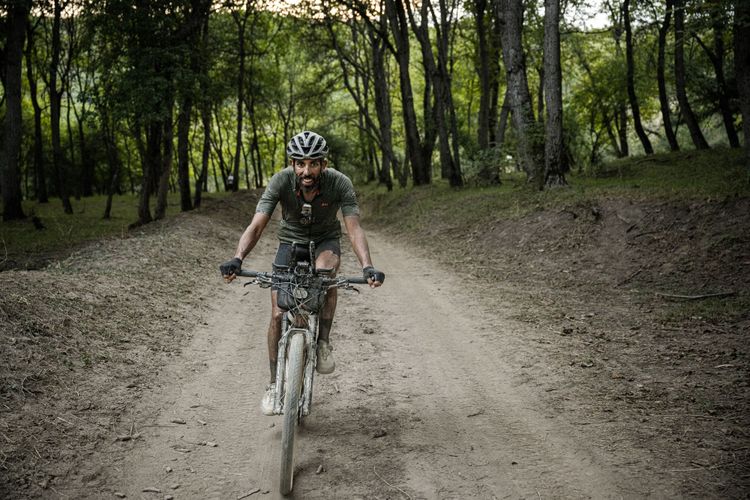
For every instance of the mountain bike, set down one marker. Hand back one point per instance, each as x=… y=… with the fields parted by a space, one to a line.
x=301 y=291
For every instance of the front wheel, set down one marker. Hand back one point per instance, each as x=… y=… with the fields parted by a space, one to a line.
x=295 y=364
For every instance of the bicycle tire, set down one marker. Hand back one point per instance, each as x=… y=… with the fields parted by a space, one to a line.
x=295 y=364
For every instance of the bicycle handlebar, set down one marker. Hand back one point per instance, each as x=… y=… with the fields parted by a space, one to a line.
x=356 y=280
x=252 y=274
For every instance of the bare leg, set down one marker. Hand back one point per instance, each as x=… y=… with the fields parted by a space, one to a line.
x=326 y=315
x=274 y=334
x=327 y=260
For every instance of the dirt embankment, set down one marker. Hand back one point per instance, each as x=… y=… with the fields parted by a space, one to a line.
x=601 y=342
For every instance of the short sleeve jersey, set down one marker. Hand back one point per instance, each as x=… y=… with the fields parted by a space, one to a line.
x=335 y=192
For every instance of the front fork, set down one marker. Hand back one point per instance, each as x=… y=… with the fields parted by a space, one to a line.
x=311 y=338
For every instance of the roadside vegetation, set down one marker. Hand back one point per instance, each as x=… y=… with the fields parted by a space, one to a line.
x=687 y=177
x=49 y=233
x=690 y=176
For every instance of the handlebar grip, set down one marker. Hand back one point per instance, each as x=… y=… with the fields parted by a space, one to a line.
x=246 y=273
x=358 y=280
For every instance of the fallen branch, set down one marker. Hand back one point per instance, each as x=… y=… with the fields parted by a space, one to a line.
x=251 y=493
x=646 y=233
x=389 y=484
x=696 y=297
x=626 y=221
x=633 y=275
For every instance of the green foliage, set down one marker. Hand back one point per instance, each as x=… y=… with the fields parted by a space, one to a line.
x=129 y=62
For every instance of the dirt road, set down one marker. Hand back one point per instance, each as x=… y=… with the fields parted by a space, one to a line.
x=435 y=395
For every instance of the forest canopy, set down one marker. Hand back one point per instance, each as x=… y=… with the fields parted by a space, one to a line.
x=191 y=96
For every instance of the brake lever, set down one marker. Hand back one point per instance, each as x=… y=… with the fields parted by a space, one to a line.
x=351 y=287
x=260 y=283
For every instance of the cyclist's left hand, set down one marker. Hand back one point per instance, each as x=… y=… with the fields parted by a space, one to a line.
x=374 y=277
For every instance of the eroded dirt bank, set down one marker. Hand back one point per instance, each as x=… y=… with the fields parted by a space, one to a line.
x=540 y=364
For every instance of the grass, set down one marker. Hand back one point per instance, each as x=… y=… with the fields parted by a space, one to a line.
x=22 y=245
x=685 y=176
x=708 y=175
x=711 y=311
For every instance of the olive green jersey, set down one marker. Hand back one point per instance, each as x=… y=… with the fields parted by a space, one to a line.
x=335 y=191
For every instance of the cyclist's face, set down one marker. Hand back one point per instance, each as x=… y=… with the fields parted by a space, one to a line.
x=308 y=172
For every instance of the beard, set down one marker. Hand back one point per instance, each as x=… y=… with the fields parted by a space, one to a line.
x=310 y=186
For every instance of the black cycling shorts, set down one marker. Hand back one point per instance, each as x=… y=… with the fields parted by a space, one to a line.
x=290 y=253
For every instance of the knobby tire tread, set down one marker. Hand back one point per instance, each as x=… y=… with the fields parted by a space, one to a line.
x=293 y=392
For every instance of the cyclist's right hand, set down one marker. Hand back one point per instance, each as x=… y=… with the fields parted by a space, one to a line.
x=373 y=276
x=230 y=269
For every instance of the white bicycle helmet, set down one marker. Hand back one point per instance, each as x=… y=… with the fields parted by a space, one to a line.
x=307 y=145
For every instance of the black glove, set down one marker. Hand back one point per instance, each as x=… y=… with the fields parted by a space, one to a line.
x=232 y=267
x=370 y=272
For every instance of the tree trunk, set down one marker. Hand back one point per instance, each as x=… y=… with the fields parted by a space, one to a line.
x=255 y=146
x=621 y=124
x=483 y=71
x=666 y=115
x=679 y=71
x=554 y=167
x=219 y=148
x=726 y=112
x=431 y=122
x=540 y=96
x=420 y=166
x=494 y=54
x=443 y=113
x=151 y=166
x=87 y=165
x=205 y=109
x=113 y=159
x=716 y=57
x=620 y=118
x=55 y=112
x=502 y=122
x=241 y=22
x=383 y=105
x=742 y=68
x=166 y=167
x=71 y=163
x=183 y=152
x=530 y=148
x=11 y=172
x=632 y=97
x=40 y=176
x=611 y=134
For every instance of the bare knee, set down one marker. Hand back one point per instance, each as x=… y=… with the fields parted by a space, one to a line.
x=328 y=260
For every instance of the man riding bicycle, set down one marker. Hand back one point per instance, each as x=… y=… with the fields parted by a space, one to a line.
x=310 y=194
